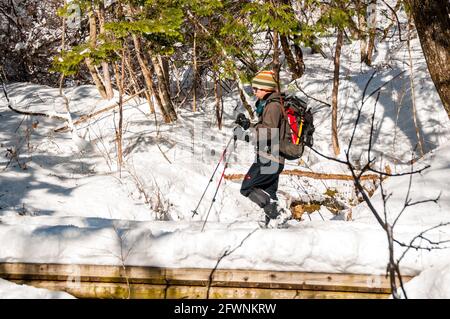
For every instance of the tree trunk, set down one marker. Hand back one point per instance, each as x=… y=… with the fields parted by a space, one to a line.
x=299 y=58
x=432 y=21
x=295 y=62
x=163 y=90
x=145 y=72
x=133 y=78
x=334 y=100
x=219 y=102
x=105 y=65
x=372 y=24
x=293 y=67
x=247 y=106
x=276 y=59
x=361 y=10
x=119 y=130
x=194 y=70
x=107 y=77
x=136 y=84
x=164 y=62
x=92 y=69
x=413 y=94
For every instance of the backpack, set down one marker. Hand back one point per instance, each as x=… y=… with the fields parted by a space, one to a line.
x=297 y=127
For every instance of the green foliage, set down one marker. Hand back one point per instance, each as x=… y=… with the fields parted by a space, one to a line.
x=144 y=26
x=235 y=36
x=160 y=26
x=337 y=17
x=167 y=20
x=274 y=17
x=84 y=6
x=64 y=11
x=246 y=76
x=68 y=62
x=204 y=8
x=312 y=3
x=407 y=6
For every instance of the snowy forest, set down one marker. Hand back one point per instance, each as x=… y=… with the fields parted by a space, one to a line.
x=124 y=159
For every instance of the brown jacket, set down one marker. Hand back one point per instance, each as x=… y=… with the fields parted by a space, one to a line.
x=271 y=118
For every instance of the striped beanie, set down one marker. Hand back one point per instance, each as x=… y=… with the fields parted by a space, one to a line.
x=265 y=80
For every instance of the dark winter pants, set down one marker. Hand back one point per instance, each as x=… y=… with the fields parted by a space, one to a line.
x=258 y=185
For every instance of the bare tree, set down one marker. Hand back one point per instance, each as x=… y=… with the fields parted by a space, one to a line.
x=89 y=63
x=393 y=267
x=120 y=74
x=219 y=101
x=105 y=65
x=276 y=65
x=195 y=71
x=334 y=96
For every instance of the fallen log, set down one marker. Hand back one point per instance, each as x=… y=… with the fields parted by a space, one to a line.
x=86 y=117
x=22 y=112
x=296 y=172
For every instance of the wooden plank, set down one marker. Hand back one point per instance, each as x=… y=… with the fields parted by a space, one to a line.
x=198 y=277
x=145 y=291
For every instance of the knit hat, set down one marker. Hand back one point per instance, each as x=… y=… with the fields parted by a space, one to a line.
x=265 y=80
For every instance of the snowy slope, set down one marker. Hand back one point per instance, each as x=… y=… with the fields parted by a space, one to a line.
x=432 y=184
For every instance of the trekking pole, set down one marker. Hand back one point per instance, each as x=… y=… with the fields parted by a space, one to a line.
x=218 y=185
x=194 y=212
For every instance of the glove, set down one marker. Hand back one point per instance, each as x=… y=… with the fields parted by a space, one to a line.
x=242 y=121
x=240 y=134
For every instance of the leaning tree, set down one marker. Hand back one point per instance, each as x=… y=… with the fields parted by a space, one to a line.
x=432 y=20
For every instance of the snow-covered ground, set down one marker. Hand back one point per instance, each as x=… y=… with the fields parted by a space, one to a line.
x=432 y=283
x=9 y=290
x=63 y=200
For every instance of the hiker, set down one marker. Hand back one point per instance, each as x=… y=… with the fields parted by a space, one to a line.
x=260 y=183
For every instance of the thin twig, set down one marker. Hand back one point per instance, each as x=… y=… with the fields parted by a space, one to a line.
x=311 y=97
x=225 y=254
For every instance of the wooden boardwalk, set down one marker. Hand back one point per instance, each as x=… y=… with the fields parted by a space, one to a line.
x=97 y=281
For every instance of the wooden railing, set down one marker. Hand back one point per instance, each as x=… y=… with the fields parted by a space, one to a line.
x=97 y=281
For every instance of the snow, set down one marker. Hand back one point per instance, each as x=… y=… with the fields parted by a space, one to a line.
x=432 y=283
x=63 y=199
x=9 y=290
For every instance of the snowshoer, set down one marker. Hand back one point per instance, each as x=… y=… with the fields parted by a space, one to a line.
x=260 y=183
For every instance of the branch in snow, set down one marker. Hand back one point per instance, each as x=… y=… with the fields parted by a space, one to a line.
x=86 y=117
x=49 y=115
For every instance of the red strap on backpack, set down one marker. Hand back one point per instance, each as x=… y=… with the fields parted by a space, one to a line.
x=293 y=124
x=296 y=131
